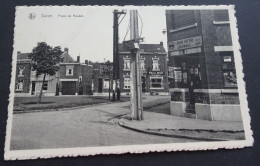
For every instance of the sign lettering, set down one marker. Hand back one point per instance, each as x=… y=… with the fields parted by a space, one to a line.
x=185 y=43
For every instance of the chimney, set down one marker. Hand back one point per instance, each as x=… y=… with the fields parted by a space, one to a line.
x=78 y=59
x=86 y=62
x=161 y=43
x=66 y=49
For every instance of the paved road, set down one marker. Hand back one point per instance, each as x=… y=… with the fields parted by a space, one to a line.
x=85 y=127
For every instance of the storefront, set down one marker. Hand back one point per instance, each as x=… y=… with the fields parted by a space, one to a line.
x=202 y=77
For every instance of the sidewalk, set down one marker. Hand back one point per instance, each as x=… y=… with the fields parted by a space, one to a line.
x=173 y=126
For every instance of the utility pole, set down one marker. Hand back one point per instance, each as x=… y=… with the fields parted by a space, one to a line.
x=116 y=68
x=135 y=73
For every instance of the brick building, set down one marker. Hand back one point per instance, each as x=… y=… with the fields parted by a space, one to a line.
x=102 y=77
x=22 y=76
x=201 y=65
x=153 y=68
x=75 y=78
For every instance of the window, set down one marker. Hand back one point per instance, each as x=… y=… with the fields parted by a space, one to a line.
x=183 y=18
x=106 y=84
x=45 y=86
x=177 y=76
x=156 y=82
x=229 y=72
x=21 y=70
x=221 y=15
x=80 y=78
x=19 y=85
x=142 y=63
x=155 y=64
x=69 y=70
x=126 y=63
x=126 y=81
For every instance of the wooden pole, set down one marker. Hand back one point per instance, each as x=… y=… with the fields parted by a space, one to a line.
x=135 y=73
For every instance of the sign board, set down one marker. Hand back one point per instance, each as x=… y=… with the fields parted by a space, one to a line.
x=156 y=73
x=185 y=43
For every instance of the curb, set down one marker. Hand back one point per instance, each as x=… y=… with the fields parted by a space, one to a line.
x=63 y=109
x=168 y=135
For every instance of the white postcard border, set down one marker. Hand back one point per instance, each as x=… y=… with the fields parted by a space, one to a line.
x=89 y=151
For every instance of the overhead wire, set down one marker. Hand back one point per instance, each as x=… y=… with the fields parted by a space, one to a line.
x=128 y=27
x=141 y=24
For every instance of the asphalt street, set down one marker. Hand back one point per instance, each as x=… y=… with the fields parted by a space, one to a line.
x=85 y=127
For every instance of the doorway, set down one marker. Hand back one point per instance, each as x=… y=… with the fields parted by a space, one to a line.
x=194 y=81
x=100 y=85
x=33 y=88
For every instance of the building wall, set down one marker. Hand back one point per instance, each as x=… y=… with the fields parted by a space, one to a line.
x=79 y=70
x=25 y=77
x=148 y=62
x=101 y=73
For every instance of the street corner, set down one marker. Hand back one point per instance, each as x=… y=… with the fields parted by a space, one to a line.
x=202 y=134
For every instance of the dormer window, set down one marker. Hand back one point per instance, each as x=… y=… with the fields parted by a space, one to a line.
x=69 y=70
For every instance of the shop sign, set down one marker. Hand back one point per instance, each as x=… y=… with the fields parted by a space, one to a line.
x=185 y=43
x=156 y=73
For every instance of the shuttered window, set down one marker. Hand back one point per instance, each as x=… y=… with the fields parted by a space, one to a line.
x=183 y=18
x=221 y=15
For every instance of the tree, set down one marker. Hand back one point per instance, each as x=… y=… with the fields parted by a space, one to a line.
x=45 y=60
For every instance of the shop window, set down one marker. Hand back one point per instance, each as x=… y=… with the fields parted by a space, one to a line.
x=19 y=85
x=156 y=82
x=142 y=64
x=221 y=15
x=45 y=86
x=126 y=81
x=126 y=63
x=183 y=18
x=185 y=77
x=177 y=76
x=69 y=70
x=229 y=72
x=156 y=64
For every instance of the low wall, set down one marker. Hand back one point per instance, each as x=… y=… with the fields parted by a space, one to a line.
x=218 y=112
x=178 y=108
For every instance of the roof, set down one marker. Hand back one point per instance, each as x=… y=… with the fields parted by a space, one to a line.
x=22 y=56
x=151 y=48
x=67 y=58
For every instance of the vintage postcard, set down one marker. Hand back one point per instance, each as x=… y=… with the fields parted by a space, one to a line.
x=90 y=80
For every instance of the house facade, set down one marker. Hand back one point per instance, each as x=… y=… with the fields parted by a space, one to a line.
x=153 y=58
x=102 y=77
x=202 y=76
x=73 y=78
x=22 y=75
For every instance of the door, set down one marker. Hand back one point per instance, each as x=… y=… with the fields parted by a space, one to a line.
x=68 y=88
x=100 y=85
x=143 y=84
x=33 y=88
x=194 y=81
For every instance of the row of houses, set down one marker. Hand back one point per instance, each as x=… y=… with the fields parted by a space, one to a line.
x=75 y=78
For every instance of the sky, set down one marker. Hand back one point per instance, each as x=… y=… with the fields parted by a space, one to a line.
x=85 y=31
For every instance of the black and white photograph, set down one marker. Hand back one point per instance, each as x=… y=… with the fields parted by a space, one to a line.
x=89 y=80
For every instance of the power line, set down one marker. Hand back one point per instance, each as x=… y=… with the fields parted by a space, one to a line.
x=141 y=24
x=128 y=27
